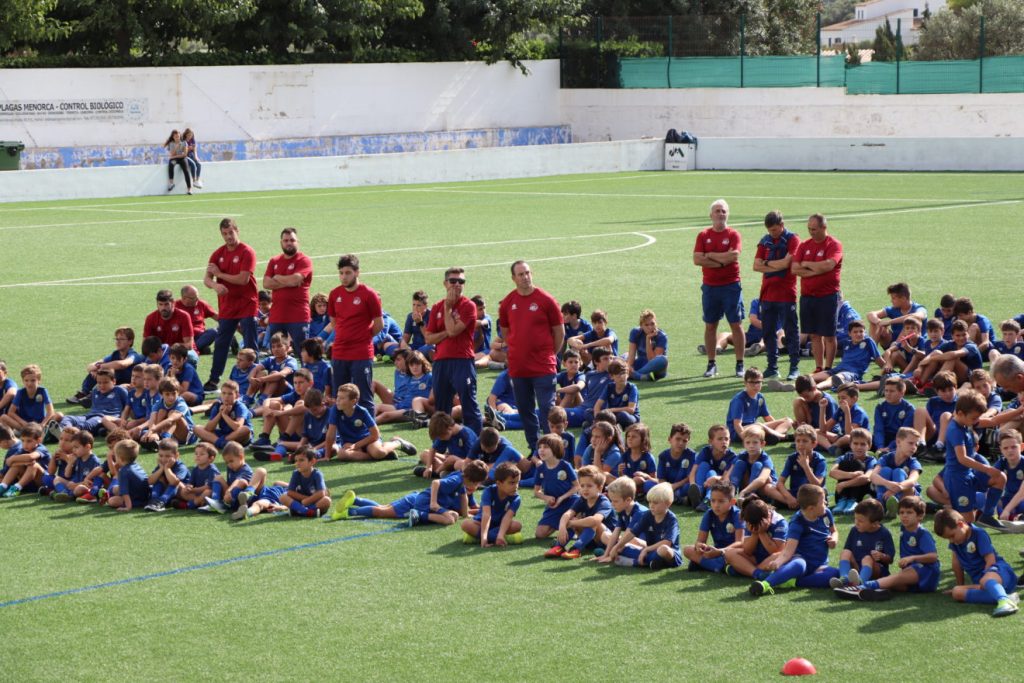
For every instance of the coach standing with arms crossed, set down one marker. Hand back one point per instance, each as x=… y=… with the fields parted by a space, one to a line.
x=532 y=326
x=450 y=328
x=818 y=262
x=717 y=252
x=230 y=274
x=356 y=317
x=287 y=278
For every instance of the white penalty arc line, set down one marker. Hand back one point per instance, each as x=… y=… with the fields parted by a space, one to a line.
x=648 y=241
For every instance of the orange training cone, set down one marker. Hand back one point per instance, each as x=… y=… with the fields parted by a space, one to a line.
x=798 y=666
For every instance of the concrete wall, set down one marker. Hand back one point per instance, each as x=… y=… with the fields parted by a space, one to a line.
x=787 y=113
x=139 y=106
x=379 y=169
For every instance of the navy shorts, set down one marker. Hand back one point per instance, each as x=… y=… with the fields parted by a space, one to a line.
x=927 y=577
x=961 y=492
x=818 y=314
x=722 y=300
x=552 y=516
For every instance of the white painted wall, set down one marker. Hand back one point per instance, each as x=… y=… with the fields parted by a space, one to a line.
x=325 y=172
x=269 y=102
x=787 y=113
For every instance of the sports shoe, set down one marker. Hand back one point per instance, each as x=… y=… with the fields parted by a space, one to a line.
x=216 y=505
x=759 y=588
x=704 y=506
x=991 y=522
x=754 y=349
x=776 y=385
x=53 y=429
x=12 y=492
x=770 y=373
x=170 y=186
x=572 y=554
x=210 y=386
x=243 y=506
x=157 y=506
x=1005 y=608
x=794 y=372
x=469 y=539
x=77 y=398
x=262 y=442
x=343 y=504
x=61 y=496
x=846 y=592
x=1014 y=598
x=86 y=498
x=419 y=471
x=739 y=369
x=711 y=371
x=413 y=518
x=554 y=551
x=849 y=506
x=102 y=496
x=204 y=508
x=405 y=446
x=189 y=191
x=702 y=350
x=494 y=365
x=837 y=582
x=853 y=576
x=693 y=496
x=44 y=491
x=874 y=595
x=150 y=506
x=892 y=507
x=197 y=183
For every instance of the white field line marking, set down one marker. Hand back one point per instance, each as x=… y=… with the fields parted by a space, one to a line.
x=648 y=241
x=133 y=220
x=747 y=224
x=381 y=190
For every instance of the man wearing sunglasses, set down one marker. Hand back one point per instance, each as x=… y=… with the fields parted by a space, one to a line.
x=451 y=327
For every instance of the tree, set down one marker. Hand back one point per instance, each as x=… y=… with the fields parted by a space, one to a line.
x=23 y=22
x=957 y=35
x=885 y=44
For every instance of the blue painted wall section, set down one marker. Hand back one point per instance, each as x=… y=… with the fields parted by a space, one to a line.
x=339 y=145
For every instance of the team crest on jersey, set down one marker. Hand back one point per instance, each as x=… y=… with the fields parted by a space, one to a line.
x=901 y=414
x=878 y=546
x=291 y=266
x=686 y=462
x=760 y=401
x=358 y=423
x=862 y=345
x=515 y=307
x=1020 y=473
x=971 y=547
x=859 y=542
x=422 y=385
x=725 y=242
x=39 y=399
x=729 y=528
x=234 y=260
x=534 y=307
x=963 y=501
x=338 y=300
x=174 y=328
x=357 y=301
x=643 y=466
x=821 y=253
x=708 y=240
x=561 y=475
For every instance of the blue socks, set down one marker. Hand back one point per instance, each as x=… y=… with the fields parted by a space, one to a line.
x=865 y=572
x=991 y=500
x=992 y=593
x=995 y=590
x=361 y=511
x=585 y=538
x=844 y=568
x=791 y=570
x=298 y=508
x=871 y=585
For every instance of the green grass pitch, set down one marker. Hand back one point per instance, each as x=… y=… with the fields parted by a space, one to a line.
x=288 y=599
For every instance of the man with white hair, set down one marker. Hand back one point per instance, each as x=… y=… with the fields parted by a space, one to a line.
x=717 y=252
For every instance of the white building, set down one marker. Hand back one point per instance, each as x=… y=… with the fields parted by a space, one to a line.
x=868 y=16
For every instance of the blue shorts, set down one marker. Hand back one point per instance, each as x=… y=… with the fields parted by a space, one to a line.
x=961 y=491
x=404 y=504
x=552 y=516
x=1006 y=574
x=677 y=558
x=818 y=314
x=927 y=577
x=271 y=493
x=722 y=300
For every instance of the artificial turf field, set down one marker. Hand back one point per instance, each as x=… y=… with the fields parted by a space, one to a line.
x=88 y=594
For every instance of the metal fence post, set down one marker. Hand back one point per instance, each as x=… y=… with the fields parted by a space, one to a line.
x=981 y=55
x=899 y=52
x=817 y=38
x=743 y=45
x=668 y=66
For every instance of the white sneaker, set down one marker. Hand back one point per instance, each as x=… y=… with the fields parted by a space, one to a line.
x=197 y=183
x=170 y=186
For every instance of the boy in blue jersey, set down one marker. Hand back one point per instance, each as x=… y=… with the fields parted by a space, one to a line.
x=412 y=398
x=933 y=421
x=389 y=339
x=155 y=351
x=919 y=560
x=443 y=502
x=812 y=406
x=31 y=403
x=169 y=418
x=1011 y=464
x=353 y=434
x=108 y=403
x=603 y=451
x=944 y=314
x=192 y=494
x=811 y=534
x=852 y=472
x=313 y=432
x=804 y=466
x=133 y=489
x=905 y=353
x=593 y=389
x=140 y=402
x=285 y=412
x=887 y=323
x=869 y=549
x=569 y=383
x=558 y=423
x=647 y=357
x=230 y=420
x=659 y=527
x=233 y=488
x=858 y=354
x=710 y=467
x=415 y=321
x=621 y=495
x=555 y=484
x=974 y=558
x=495 y=523
x=575 y=325
x=675 y=463
x=891 y=414
x=307 y=494
x=964 y=476
x=451 y=442
x=764 y=536
x=897 y=472
x=167 y=478
x=63 y=454
x=271 y=376
x=185 y=373
x=121 y=361
x=621 y=396
x=244 y=362
x=68 y=484
x=722 y=522
x=1010 y=343
x=583 y=525
x=637 y=462
x=103 y=476
x=835 y=434
x=747 y=406
x=600 y=336
x=958 y=356
x=979 y=327
x=311 y=354
x=500 y=410
x=492 y=449
x=26 y=462
x=753 y=470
